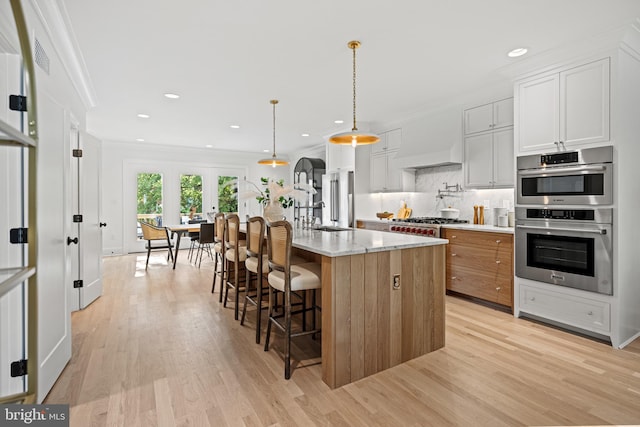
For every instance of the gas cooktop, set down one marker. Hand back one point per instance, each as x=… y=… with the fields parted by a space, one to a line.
x=432 y=220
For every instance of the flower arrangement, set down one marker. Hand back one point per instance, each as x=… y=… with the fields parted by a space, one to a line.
x=274 y=191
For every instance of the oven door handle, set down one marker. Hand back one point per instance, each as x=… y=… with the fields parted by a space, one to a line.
x=591 y=231
x=562 y=171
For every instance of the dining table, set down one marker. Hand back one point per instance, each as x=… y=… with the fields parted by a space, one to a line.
x=179 y=231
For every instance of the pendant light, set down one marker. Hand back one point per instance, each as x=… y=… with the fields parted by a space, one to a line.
x=273 y=160
x=354 y=137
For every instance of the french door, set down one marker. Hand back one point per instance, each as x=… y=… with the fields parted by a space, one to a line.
x=169 y=193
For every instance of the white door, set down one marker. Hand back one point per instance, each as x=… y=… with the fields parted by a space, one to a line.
x=54 y=317
x=90 y=229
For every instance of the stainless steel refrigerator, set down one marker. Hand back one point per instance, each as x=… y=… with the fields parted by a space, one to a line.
x=338 y=194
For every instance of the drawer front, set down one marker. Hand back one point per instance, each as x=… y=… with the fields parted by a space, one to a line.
x=481 y=239
x=495 y=286
x=475 y=257
x=570 y=309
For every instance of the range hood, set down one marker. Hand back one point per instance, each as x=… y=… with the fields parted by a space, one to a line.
x=431 y=140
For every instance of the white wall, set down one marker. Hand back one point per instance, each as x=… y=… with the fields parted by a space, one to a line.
x=117 y=157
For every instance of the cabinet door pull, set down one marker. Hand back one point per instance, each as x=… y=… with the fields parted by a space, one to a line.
x=454 y=277
x=453 y=254
x=497 y=241
x=590 y=313
x=498 y=288
x=532 y=298
x=497 y=261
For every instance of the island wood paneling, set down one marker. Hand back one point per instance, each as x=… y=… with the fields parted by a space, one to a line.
x=367 y=326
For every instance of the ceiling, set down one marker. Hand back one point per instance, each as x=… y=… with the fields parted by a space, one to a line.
x=228 y=59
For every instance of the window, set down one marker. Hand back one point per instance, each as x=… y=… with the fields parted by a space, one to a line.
x=149 y=199
x=227 y=194
x=190 y=198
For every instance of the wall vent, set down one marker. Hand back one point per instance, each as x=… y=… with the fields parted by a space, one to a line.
x=42 y=59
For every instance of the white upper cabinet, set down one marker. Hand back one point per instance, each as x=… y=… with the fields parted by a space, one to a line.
x=385 y=173
x=340 y=157
x=490 y=116
x=389 y=141
x=567 y=108
x=488 y=159
x=488 y=145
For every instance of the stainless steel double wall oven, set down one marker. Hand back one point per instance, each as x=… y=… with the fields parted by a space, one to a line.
x=563 y=229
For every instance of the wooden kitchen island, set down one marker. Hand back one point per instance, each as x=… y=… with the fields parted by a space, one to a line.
x=382 y=299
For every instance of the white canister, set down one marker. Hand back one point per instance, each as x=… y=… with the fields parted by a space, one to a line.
x=503 y=221
x=512 y=218
x=497 y=213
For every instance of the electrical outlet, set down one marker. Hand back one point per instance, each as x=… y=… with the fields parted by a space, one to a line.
x=396 y=281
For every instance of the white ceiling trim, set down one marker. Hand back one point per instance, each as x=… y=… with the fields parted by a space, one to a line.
x=55 y=20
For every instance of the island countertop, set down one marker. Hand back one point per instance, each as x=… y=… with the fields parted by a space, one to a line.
x=357 y=241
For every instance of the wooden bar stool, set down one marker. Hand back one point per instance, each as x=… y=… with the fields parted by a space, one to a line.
x=256 y=264
x=236 y=253
x=219 y=250
x=287 y=278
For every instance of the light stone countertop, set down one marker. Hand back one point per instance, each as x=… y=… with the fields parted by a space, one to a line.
x=357 y=241
x=479 y=227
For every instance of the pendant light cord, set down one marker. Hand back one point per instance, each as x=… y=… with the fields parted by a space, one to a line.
x=354 y=47
x=274 y=102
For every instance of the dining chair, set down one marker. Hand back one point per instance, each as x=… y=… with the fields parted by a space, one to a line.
x=256 y=264
x=219 y=268
x=205 y=239
x=157 y=238
x=236 y=253
x=288 y=278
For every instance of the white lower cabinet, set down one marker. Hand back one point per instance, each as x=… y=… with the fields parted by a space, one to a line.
x=584 y=313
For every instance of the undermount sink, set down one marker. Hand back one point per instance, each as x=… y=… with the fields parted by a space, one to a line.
x=329 y=228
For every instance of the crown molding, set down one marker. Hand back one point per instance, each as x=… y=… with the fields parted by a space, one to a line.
x=57 y=25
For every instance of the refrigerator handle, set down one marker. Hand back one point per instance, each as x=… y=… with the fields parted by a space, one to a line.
x=335 y=200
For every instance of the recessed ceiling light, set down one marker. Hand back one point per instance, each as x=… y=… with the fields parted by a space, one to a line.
x=209 y=146
x=265 y=151
x=171 y=96
x=234 y=127
x=517 y=52
x=338 y=122
x=305 y=134
x=140 y=139
x=144 y=116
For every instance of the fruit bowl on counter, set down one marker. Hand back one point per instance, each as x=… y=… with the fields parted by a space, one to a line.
x=384 y=215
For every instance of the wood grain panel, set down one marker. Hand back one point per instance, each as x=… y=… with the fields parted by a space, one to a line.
x=395 y=309
x=357 y=316
x=371 y=314
x=328 y=325
x=384 y=310
x=342 y=319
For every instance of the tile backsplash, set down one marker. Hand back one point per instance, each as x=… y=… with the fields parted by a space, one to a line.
x=425 y=201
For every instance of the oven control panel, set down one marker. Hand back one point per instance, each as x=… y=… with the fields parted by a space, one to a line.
x=571 y=214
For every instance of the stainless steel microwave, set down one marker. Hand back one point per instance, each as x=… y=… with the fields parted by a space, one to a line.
x=580 y=177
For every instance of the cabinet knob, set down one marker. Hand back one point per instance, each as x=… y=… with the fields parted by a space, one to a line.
x=590 y=313
x=497 y=261
x=498 y=288
x=532 y=298
x=497 y=241
x=453 y=254
x=454 y=236
x=454 y=277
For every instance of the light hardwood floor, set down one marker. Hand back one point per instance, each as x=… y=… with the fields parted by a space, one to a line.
x=158 y=349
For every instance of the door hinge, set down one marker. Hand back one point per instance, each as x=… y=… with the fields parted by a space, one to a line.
x=18 y=235
x=77 y=218
x=19 y=368
x=17 y=103
x=78 y=284
x=77 y=153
